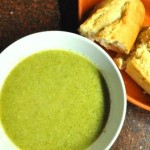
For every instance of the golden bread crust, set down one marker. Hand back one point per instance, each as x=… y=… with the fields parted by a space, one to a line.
x=139 y=69
x=138 y=63
x=115 y=24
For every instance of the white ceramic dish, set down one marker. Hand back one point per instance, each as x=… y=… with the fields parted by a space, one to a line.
x=69 y=41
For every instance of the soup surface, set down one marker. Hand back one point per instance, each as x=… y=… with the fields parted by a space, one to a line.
x=53 y=100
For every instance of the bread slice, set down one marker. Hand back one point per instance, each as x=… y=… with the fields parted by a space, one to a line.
x=142 y=42
x=138 y=64
x=139 y=67
x=115 y=24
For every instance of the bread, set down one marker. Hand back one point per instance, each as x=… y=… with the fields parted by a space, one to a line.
x=138 y=64
x=142 y=42
x=19 y=18
x=115 y=24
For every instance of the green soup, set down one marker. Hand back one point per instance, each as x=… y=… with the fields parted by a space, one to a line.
x=53 y=100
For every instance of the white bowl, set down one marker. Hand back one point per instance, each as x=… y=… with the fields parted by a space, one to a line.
x=69 y=41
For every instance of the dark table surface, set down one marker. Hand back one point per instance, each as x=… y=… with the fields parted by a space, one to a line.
x=135 y=134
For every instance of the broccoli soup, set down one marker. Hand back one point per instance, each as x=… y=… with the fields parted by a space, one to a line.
x=52 y=100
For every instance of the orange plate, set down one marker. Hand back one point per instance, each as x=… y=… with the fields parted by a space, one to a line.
x=135 y=94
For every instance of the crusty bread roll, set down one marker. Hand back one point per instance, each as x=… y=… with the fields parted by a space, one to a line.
x=115 y=24
x=138 y=64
